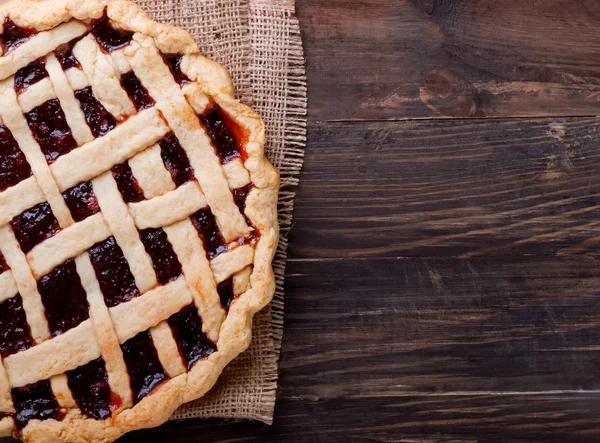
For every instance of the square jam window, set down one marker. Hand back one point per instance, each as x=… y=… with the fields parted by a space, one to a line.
x=112 y=270
x=34 y=226
x=64 y=298
x=51 y=130
x=13 y=164
x=15 y=335
x=35 y=401
x=81 y=201
x=144 y=367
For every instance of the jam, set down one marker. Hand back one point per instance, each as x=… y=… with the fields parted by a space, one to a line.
x=115 y=401
x=65 y=56
x=81 y=201
x=3 y=266
x=30 y=74
x=97 y=117
x=14 y=167
x=34 y=226
x=35 y=401
x=143 y=365
x=240 y=195
x=164 y=260
x=187 y=330
x=89 y=385
x=175 y=159
x=136 y=91
x=205 y=223
x=225 y=290
x=15 y=334
x=64 y=298
x=109 y=38
x=50 y=129
x=173 y=61
x=127 y=184
x=13 y=36
x=226 y=135
x=112 y=270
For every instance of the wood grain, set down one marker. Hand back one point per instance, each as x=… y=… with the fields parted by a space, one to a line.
x=410 y=326
x=422 y=58
x=414 y=419
x=450 y=188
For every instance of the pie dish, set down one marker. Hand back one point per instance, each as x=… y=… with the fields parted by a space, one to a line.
x=138 y=220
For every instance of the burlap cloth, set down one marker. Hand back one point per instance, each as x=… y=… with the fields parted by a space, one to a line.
x=259 y=42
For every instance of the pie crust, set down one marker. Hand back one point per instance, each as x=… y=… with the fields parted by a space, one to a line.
x=138 y=220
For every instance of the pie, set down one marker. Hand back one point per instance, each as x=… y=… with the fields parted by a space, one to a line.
x=138 y=220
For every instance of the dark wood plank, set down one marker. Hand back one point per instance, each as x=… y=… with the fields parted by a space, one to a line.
x=402 y=326
x=414 y=419
x=418 y=58
x=448 y=188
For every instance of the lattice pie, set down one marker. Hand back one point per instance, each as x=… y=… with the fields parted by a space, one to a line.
x=138 y=220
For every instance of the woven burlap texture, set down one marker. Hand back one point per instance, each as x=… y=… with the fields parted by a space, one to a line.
x=259 y=42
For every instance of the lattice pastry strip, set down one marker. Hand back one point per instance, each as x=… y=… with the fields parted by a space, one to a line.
x=71 y=106
x=26 y=284
x=106 y=335
x=18 y=125
x=38 y=46
x=137 y=220
x=101 y=71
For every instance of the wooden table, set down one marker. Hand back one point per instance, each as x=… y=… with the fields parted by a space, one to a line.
x=444 y=280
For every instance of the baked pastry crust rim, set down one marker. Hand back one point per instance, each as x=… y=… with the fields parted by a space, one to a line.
x=261 y=210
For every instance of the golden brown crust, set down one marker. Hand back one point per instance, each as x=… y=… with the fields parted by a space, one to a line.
x=261 y=209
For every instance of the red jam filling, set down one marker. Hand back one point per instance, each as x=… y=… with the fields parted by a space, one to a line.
x=175 y=159
x=115 y=401
x=187 y=330
x=64 y=54
x=35 y=401
x=227 y=137
x=143 y=365
x=240 y=195
x=89 y=385
x=49 y=126
x=97 y=117
x=173 y=61
x=14 y=35
x=64 y=298
x=205 y=223
x=110 y=38
x=81 y=201
x=136 y=91
x=34 y=226
x=112 y=270
x=14 y=167
x=30 y=75
x=127 y=184
x=164 y=260
x=225 y=290
x=15 y=334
